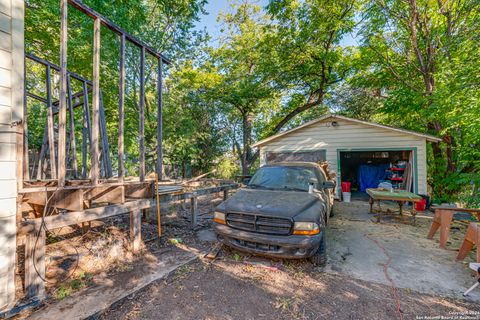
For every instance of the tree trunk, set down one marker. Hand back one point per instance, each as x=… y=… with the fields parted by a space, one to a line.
x=247 y=119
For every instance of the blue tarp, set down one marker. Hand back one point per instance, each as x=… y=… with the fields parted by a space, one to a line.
x=369 y=176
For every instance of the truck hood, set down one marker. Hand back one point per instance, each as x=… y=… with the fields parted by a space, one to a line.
x=270 y=202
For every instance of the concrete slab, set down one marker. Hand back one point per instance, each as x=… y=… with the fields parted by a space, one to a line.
x=416 y=262
x=110 y=289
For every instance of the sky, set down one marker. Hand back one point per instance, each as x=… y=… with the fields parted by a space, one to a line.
x=214 y=7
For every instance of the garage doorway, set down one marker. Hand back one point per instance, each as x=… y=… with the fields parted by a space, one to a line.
x=366 y=169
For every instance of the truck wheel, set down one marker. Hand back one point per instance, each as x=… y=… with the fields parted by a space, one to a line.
x=320 y=257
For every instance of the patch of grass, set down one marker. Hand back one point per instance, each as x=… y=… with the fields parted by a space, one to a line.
x=67 y=288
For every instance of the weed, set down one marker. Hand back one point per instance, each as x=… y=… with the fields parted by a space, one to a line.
x=237 y=257
x=63 y=292
x=283 y=303
x=67 y=288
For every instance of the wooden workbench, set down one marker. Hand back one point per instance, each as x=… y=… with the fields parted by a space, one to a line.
x=399 y=196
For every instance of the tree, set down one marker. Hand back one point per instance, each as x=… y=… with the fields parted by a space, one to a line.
x=307 y=60
x=416 y=48
x=241 y=94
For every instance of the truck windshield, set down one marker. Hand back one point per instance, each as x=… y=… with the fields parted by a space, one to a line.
x=284 y=178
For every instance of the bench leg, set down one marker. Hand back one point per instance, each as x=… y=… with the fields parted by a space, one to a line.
x=435 y=225
x=445 y=222
x=464 y=249
x=471 y=239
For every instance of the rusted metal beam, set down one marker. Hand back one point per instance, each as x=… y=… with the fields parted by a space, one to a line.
x=73 y=144
x=56 y=67
x=112 y=26
x=142 y=115
x=121 y=111
x=159 y=121
x=86 y=130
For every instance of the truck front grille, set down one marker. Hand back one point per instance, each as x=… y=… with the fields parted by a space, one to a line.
x=260 y=223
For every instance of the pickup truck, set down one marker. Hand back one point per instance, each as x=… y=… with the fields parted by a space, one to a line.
x=282 y=212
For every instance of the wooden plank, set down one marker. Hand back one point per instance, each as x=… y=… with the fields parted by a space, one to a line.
x=86 y=131
x=73 y=144
x=121 y=111
x=106 y=194
x=69 y=218
x=139 y=191
x=24 y=136
x=136 y=229
x=51 y=137
x=142 y=115
x=61 y=199
x=457 y=209
x=159 y=121
x=62 y=112
x=94 y=146
x=35 y=264
x=194 y=210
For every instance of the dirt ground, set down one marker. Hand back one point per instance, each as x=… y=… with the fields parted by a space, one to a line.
x=235 y=287
x=76 y=257
x=239 y=286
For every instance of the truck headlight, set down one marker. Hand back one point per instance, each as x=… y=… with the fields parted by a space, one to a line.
x=219 y=217
x=306 y=228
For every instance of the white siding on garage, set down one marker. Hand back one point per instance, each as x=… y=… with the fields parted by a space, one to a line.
x=349 y=135
x=11 y=111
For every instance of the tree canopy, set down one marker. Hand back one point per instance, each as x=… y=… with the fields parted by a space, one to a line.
x=415 y=65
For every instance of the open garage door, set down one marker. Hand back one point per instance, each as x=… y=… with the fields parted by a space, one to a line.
x=304 y=156
x=366 y=169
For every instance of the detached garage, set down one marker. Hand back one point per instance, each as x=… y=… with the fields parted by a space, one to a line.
x=362 y=153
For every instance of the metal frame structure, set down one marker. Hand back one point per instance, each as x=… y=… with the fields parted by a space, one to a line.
x=56 y=181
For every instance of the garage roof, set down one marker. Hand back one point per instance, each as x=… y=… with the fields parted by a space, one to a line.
x=334 y=116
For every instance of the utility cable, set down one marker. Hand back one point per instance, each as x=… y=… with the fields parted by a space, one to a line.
x=44 y=227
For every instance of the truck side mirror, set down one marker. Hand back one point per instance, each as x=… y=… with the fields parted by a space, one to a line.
x=246 y=180
x=328 y=185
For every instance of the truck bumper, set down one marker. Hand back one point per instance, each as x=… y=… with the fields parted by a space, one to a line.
x=289 y=247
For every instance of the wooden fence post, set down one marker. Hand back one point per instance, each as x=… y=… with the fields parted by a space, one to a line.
x=50 y=124
x=194 y=209
x=136 y=229
x=35 y=262
x=62 y=107
x=94 y=146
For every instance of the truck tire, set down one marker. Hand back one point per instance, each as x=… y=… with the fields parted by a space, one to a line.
x=320 y=257
x=331 y=213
